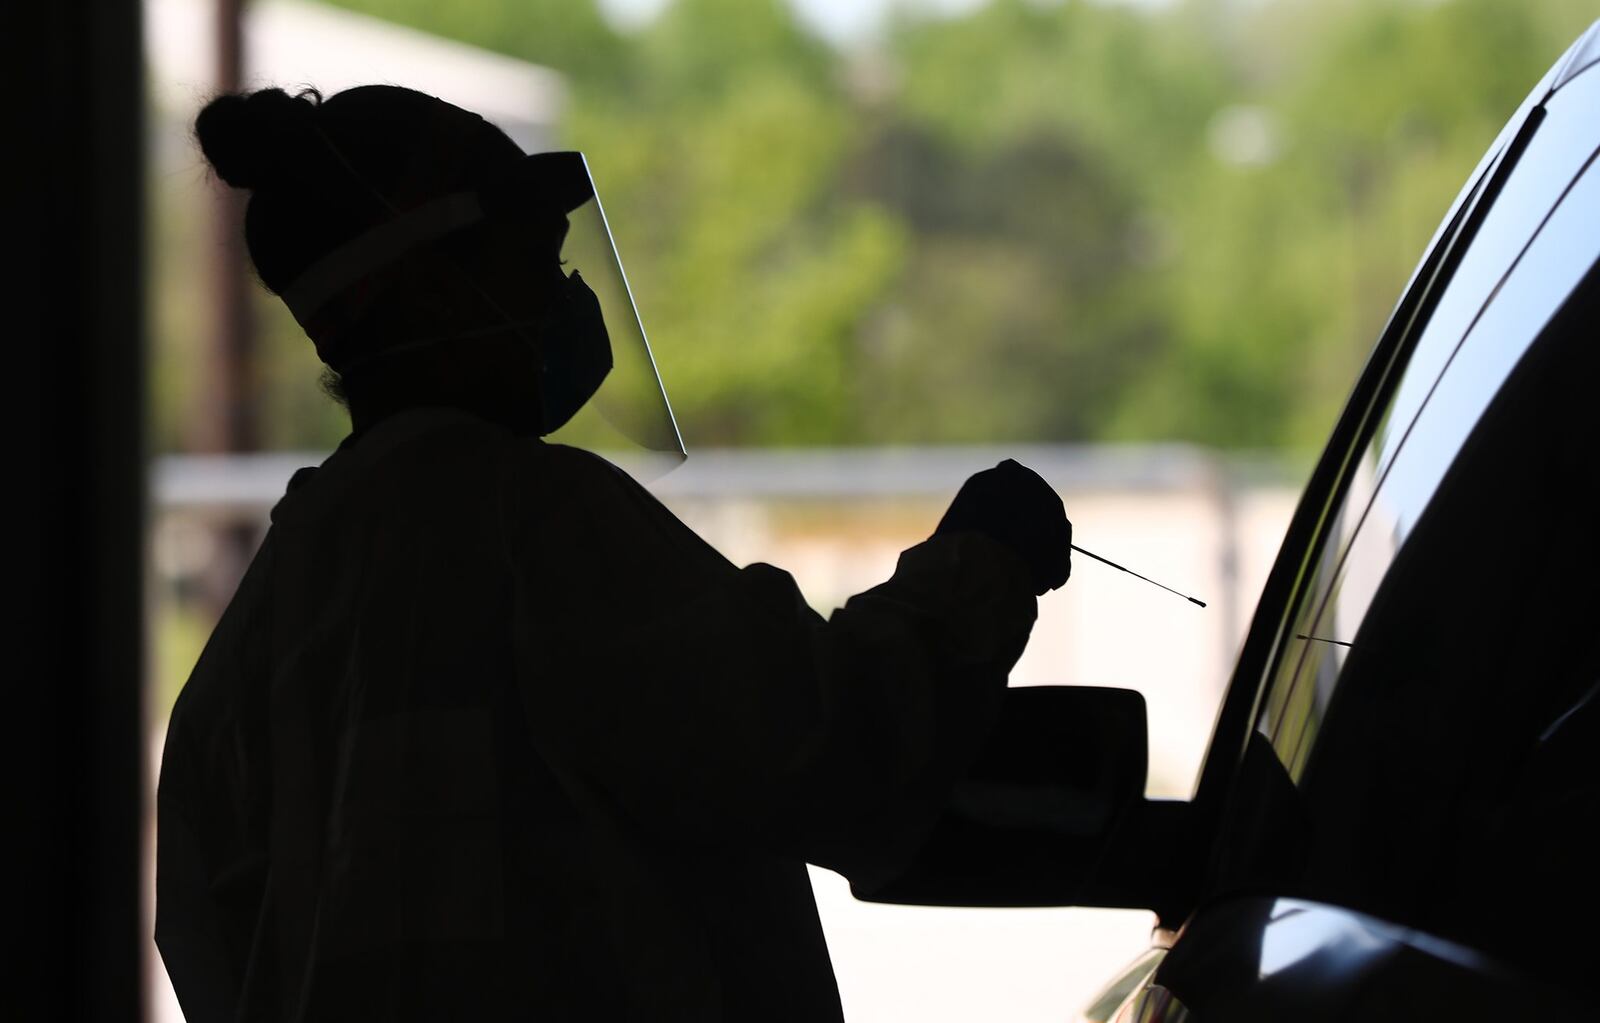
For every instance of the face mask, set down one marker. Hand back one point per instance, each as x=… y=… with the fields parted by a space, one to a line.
x=592 y=349
x=577 y=356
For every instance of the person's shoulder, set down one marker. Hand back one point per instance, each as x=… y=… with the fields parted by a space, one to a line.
x=540 y=460
x=544 y=480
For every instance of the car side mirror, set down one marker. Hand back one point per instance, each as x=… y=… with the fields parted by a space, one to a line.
x=1058 y=786
x=1061 y=759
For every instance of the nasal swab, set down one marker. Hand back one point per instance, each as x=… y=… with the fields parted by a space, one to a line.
x=1136 y=575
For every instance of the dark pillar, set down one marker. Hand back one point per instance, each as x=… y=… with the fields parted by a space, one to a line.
x=75 y=652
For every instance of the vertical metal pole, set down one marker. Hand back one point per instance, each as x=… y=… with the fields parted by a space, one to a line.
x=230 y=421
x=1224 y=493
x=227 y=417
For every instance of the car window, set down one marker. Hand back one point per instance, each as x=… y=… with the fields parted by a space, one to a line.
x=1483 y=323
x=1240 y=709
x=1560 y=72
x=1425 y=753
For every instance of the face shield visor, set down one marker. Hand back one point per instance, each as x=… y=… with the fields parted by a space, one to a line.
x=561 y=287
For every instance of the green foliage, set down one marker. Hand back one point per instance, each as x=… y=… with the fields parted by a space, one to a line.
x=571 y=36
x=1285 y=273
x=179 y=635
x=752 y=269
x=1034 y=221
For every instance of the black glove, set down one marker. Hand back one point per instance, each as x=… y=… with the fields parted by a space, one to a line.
x=1014 y=505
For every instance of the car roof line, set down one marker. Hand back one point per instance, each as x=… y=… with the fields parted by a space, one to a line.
x=1584 y=54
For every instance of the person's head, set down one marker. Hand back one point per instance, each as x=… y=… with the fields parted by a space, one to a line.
x=323 y=173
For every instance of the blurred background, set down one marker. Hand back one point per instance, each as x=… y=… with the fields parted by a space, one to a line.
x=1141 y=245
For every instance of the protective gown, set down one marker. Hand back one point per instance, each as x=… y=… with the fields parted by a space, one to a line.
x=487 y=733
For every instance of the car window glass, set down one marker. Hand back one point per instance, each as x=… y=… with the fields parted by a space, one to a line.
x=1495 y=334
x=1547 y=274
x=1552 y=159
x=1492 y=155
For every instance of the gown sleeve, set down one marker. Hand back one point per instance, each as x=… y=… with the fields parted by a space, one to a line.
x=211 y=810
x=708 y=704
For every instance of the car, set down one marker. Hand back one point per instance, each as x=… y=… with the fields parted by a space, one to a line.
x=1396 y=812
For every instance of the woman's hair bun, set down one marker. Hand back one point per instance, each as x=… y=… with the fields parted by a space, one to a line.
x=254 y=141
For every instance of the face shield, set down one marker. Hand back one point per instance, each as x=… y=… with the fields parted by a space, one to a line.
x=598 y=386
x=629 y=414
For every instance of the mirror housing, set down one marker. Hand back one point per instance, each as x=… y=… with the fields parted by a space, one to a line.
x=1052 y=812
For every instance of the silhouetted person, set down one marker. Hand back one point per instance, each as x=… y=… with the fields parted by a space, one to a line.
x=486 y=733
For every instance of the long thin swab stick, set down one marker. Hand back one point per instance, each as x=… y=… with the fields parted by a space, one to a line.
x=1136 y=575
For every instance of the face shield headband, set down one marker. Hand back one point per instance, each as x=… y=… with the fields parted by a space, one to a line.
x=599 y=387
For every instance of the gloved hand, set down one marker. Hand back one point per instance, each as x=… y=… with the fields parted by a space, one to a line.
x=1015 y=506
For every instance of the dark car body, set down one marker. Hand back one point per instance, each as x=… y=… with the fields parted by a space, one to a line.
x=1394 y=816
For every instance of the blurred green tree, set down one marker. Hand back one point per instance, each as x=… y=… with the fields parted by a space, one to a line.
x=1036 y=220
x=571 y=35
x=1286 y=270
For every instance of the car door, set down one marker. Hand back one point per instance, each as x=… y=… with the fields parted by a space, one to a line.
x=1429 y=676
